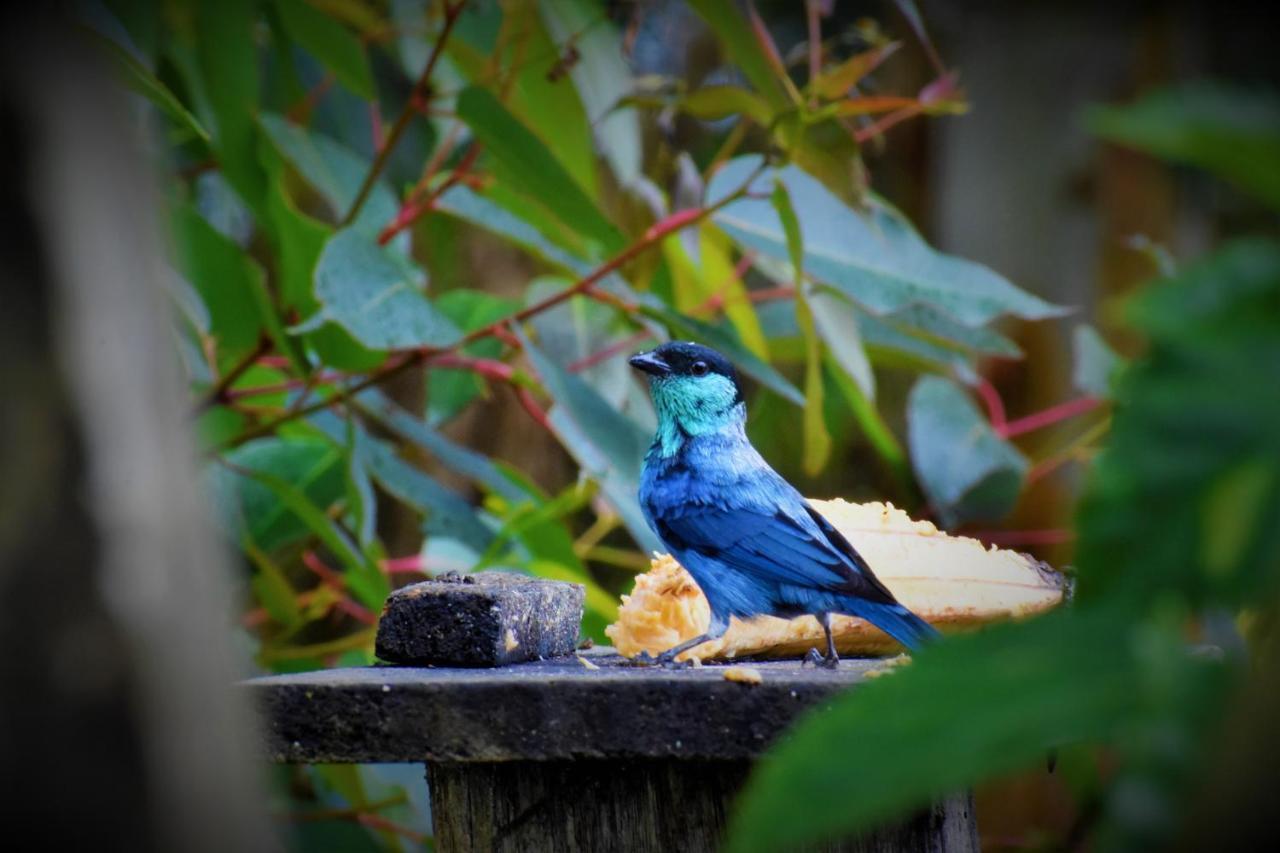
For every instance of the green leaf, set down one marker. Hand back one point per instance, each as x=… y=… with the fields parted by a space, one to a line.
x=1095 y=362
x=837 y=82
x=483 y=212
x=457 y=458
x=837 y=324
x=526 y=164
x=449 y=391
x=231 y=284
x=311 y=465
x=331 y=43
x=606 y=443
x=712 y=103
x=447 y=514
x=1232 y=132
x=376 y=294
x=363 y=578
x=361 y=503
x=228 y=65
x=967 y=709
x=272 y=588
x=140 y=78
x=602 y=79
x=817 y=440
x=727 y=21
x=967 y=470
x=1195 y=439
x=875 y=258
x=334 y=171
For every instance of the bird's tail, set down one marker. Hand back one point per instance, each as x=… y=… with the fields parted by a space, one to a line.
x=898 y=622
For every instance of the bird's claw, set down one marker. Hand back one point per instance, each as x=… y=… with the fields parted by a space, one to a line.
x=819 y=660
x=663 y=660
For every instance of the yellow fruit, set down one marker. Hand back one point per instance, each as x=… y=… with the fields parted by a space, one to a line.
x=953 y=582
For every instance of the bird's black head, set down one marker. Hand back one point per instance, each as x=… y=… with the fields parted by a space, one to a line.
x=692 y=385
x=685 y=358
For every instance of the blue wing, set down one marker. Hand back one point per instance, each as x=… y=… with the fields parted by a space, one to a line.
x=778 y=541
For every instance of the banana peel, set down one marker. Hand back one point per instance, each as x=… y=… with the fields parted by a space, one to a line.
x=953 y=582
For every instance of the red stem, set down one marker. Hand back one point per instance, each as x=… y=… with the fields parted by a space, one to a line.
x=610 y=351
x=995 y=406
x=1049 y=416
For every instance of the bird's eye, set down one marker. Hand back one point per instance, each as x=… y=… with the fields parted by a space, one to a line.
x=699 y=368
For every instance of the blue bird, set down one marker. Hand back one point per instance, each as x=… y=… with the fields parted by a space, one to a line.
x=751 y=542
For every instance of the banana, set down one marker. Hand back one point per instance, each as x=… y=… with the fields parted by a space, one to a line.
x=953 y=582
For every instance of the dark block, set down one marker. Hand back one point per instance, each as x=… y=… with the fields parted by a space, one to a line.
x=485 y=619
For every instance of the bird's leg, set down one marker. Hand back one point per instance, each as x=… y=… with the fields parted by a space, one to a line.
x=719 y=624
x=832 y=660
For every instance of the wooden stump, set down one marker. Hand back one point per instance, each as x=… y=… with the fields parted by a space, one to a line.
x=561 y=756
x=643 y=805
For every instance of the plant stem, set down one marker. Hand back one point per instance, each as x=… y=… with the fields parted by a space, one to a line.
x=451 y=13
x=218 y=393
x=1049 y=416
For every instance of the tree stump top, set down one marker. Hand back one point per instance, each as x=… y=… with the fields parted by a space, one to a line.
x=539 y=711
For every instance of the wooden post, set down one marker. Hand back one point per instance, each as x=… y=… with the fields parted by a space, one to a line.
x=563 y=755
x=645 y=805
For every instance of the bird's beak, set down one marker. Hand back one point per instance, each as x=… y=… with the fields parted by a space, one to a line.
x=650 y=362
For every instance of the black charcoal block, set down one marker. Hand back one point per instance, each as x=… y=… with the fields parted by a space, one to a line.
x=485 y=619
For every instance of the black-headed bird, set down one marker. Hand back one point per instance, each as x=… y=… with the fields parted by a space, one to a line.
x=751 y=542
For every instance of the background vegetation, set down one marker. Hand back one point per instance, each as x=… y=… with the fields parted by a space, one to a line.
x=414 y=242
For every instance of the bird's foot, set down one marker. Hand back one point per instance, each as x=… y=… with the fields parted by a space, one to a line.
x=820 y=661
x=669 y=662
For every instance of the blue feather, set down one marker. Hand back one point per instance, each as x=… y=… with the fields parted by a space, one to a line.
x=750 y=541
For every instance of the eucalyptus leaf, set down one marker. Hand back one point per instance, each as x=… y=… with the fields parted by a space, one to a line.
x=331 y=43
x=527 y=165
x=376 y=294
x=1095 y=362
x=873 y=256
x=967 y=470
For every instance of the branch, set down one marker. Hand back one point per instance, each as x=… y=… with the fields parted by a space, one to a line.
x=1050 y=416
x=218 y=393
x=403 y=361
x=452 y=11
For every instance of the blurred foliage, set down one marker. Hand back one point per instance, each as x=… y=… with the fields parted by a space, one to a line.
x=401 y=228
x=1178 y=526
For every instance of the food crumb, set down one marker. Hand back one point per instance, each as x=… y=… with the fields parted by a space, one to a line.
x=743 y=675
x=511 y=642
x=586 y=663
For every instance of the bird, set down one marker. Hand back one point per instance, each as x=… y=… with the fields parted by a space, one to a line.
x=749 y=539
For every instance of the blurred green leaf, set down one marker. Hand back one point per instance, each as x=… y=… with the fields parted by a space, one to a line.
x=141 y=79
x=311 y=465
x=483 y=212
x=376 y=294
x=1232 y=132
x=967 y=470
x=1194 y=440
x=605 y=442
x=459 y=459
x=836 y=82
x=729 y=24
x=524 y=162
x=450 y=390
x=712 y=103
x=1095 y=362
x=272 y=588
x=331 y=43
x=335 y=172
x=875 y=257
x=227 y=60
x=230 y=283
x=966 y=709
x=602 y=79
x=837 y=323
x=361 y=503
x=362 y=577
x=447 y=514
